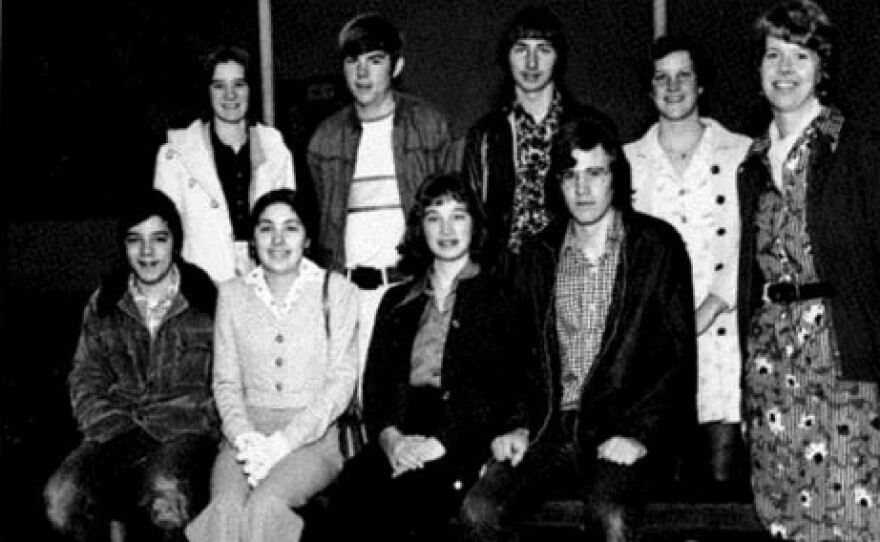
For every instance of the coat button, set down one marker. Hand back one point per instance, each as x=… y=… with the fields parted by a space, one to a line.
x=719 y=266
x=279 y=362
x=192 y=182
x=721 y=231
x=279 y=338
x=279 y=386
x=445 y=396
x=214 y=204
x=720 y=200
x=715 y=169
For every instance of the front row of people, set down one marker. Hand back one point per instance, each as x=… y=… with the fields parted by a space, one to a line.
x=479 y=396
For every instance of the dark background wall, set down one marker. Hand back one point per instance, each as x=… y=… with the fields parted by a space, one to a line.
x=89 y=88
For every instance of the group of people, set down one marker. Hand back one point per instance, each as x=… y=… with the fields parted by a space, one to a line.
x=555 y=311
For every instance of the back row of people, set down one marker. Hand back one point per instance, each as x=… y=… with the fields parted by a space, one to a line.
x=539 y=330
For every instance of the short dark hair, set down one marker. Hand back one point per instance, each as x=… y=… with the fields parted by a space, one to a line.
x=370 y=32
x=534 y=22
x=221 y=55
x=804 y=23
x=287 y=196
x=671 y=43
x=144 y=205
x=586 y=134
x=416 y=256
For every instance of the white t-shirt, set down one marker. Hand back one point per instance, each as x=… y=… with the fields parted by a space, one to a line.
x=375 y=224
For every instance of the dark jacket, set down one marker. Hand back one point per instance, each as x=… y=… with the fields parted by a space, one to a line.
x=121 y=379
x=642 y=383
x=484 y=373
x=489 y=165
x=421 y=147
x=843 y=222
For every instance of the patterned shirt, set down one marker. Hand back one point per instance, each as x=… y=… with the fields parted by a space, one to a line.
x=533 y=143
x=153 y=312
x=583 y=297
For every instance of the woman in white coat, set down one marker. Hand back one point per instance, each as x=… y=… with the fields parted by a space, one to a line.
x=214 y=170
x=684 y=172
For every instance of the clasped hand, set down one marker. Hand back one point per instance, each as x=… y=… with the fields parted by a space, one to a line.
x=410 y=452
x=258 y=453
x=622 y=450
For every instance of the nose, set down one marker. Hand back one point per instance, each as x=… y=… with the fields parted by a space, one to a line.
x=361 y=68
x=785 y=63
x=445 y=227
x=147 y=248
x=229 y=92
x=674 y=83
x=532 y=59
x=582 y=187
x=277 y=237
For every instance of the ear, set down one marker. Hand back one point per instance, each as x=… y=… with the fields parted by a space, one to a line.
x=398 y=67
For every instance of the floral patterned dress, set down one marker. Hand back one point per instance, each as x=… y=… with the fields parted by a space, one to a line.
x=815 y=454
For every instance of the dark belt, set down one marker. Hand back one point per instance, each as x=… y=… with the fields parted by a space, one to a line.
x=789 y=292
x=370 y=278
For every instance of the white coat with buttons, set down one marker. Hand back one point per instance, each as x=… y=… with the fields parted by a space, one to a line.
x=702 y=205
x=186 y=172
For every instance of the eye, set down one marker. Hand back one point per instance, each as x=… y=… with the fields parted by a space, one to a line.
x=162 y=238
x=132 y=240
x=216 y=85
x=460 y=216
x=519 y=48
x=546 y=48
x=771 y=55
x=432 y=219
x=660 y=79
x=241 y=85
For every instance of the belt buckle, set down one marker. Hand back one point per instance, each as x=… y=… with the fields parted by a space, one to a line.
x=366 y=278
x=781 y=292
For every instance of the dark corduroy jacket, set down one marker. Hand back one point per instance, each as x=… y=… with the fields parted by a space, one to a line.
x=843 y=222
x=486 y=360
x=642 y=383
x=122 y=379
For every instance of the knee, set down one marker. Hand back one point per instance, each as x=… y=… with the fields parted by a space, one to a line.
x=168 y=502
x=61 y=496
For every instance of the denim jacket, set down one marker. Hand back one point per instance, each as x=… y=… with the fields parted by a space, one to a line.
x=421 y=147
x=122 y=378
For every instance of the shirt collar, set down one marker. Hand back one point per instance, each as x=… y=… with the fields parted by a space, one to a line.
x=309 y=273
x=422 y=285
x=613 y=236
x=167 y=296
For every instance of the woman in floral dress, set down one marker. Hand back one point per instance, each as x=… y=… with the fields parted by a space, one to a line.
x=809 y=293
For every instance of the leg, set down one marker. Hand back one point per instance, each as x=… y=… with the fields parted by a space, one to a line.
x=614 y=496
x=501 y=496
x=222 y=519
x=290 y=484
x=97 y=482
x=177 y=480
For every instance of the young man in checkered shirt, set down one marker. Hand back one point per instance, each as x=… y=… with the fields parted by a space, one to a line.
x=610 y=296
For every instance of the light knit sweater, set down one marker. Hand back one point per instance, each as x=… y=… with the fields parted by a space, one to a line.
x=268 y=359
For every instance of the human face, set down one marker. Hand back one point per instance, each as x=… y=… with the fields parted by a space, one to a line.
x=369 y=77
x=230 y=92
x=587 y=186
x=448 y=228
x=280 y=239
x=532 y=62
x=149 y=247
x=789 y=73
x=674 y=87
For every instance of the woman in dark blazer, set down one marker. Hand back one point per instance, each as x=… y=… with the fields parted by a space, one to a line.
x=446 y=374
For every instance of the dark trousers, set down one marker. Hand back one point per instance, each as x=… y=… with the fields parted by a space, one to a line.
x=154 y=487
x=368 y=504
x=613 y=494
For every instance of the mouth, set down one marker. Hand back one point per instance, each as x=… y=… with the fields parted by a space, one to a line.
x=785 y=85
x=532 y=77
x=677 y=99
x=447 y=243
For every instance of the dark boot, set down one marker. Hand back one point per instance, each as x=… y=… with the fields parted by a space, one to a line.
x=727 y=477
